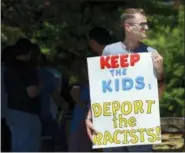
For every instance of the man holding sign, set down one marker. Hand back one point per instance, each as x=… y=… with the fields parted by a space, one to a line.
x=135 y=26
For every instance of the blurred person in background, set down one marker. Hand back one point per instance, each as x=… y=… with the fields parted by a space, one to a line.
x=79 y=140
x=65 y=117
x=7 y=59
x=98 y=37
x=23 y=90
x=49 y=94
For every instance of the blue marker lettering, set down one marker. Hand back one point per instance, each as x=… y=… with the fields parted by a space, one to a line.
x=139 y=83
x=118 y=72
x=116 y=84
x=124 y=71
x=112 y=72
x=106 y=86
x=127 y=83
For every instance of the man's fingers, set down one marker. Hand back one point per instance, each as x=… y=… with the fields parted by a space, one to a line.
x=90 y=129
x=157 y=58
x=154 y=55
x=158 y=54
x=93 y=130
x=90 y=134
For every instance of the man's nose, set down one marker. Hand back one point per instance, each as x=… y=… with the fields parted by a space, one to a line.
x=146 y=27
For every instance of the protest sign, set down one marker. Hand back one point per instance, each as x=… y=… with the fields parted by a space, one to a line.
x=124 y=100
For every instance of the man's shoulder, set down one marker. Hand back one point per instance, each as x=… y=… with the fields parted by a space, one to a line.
x=111 y=49
x=117 y=45
x=113 y=45
x=149 y=48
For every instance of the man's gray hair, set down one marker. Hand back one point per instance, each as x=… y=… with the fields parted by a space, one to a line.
x=129 y=13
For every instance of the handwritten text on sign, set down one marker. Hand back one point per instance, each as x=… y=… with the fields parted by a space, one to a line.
x=124 y=100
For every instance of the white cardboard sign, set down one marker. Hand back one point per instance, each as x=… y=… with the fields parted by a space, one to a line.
x=124 y=100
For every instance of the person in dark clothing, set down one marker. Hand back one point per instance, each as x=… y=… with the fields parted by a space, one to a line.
x=7 y=57
x=79 y=140
x=99 y=37
x=64 y=130
x=5 y=136
x=23 y=89
x=50 y=97
x=65 y=92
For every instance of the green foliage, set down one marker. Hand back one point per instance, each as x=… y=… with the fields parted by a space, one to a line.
x=9 y=35
x=169 y=41
x=60 y=28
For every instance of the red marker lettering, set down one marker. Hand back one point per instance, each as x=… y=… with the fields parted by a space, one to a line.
x=114 y=61
x=134 y=58
x=104 y=62
x=124 y=60
x=119 y=61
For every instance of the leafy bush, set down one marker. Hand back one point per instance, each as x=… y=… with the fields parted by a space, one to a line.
x=169 y=41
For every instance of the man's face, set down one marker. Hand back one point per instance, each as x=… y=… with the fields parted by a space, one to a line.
x=93 y=45
x=28 y=56
x=23 y=57
x=137 y=27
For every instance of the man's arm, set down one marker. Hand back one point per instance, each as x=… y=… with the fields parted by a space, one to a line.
x=59 y=100
x=159 y=68
x=161 y=88
x=89 y=125
x=161 y=80
x=75 y=94
x=54 y=90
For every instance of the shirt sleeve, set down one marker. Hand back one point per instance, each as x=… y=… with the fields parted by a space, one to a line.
x=150 y=49
x=85 y=94
x=105 y=51
x=54 y=83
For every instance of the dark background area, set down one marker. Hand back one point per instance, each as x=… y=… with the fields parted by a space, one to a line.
x=60 y=28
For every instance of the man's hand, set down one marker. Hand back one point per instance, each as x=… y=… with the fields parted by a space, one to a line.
x=158 y=64
x=90 y=129
x=59 y=100
x=89 y=125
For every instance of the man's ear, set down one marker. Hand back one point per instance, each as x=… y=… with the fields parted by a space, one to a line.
x=127 y=27
x=91 y=42
x=94 y=42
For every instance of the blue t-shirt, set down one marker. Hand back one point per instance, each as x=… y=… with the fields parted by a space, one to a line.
x=84 y=94
x=80 y=113
x=49 y=84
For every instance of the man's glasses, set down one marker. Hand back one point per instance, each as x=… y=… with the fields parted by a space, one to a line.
x=142 y=24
